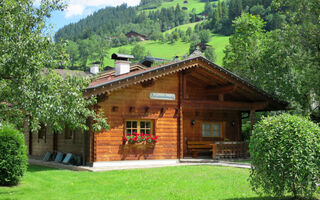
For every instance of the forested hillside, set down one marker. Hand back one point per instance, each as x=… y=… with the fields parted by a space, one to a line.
x=180 y=25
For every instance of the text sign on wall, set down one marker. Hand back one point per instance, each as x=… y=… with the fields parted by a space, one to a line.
x=163 y=96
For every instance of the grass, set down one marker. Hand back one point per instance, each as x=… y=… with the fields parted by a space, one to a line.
x=183 y=27
x=168 y=50
x=193 y=4
x=184 y=182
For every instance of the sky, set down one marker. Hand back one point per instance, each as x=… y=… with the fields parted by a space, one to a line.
x=79 y=9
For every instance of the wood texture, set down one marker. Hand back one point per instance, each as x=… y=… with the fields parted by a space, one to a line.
x=108 y=146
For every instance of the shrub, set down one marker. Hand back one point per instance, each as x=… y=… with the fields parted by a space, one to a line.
x=285 y=152
x=13 y=156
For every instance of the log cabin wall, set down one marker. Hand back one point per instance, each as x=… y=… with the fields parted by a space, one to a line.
x=73 y=145
x=40 y=145
x=134 y=103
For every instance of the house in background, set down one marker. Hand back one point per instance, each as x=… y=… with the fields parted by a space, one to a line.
x=134 y=34
x=192 y=101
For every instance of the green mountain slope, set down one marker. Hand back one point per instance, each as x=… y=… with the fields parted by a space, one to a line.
x=168 y=51
x=198 y=5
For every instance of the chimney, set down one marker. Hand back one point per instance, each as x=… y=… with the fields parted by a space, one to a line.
x=122 y=63
x=94 y=69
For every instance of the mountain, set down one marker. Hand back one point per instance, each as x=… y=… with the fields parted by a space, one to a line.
x=172 y=27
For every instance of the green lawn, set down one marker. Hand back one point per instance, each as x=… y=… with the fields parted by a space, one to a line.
x=196 y=4
x=184 y=182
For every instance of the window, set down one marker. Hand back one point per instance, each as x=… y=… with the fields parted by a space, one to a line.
x=42 y=132
x=212 y=129
x=139 y=126
x=68 y=133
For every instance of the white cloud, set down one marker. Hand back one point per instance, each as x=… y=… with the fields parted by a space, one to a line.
x=77 y=7
x=74 y=9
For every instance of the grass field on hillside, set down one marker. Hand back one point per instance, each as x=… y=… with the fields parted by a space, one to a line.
x=183 y=27
x=196 y=4
x=168 y=50
x=183 y=182
x=219 y=42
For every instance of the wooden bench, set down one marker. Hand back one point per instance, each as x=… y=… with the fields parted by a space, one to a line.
x=199 y=146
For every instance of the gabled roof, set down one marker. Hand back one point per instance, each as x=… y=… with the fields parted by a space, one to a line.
x=106 y=85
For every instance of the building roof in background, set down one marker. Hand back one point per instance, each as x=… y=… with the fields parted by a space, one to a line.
x=65 y=72
x=149 y=60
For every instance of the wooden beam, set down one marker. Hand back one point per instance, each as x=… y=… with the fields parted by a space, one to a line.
x=220 y=89
x=223 y=105
x=221 y=97
x=184 y=94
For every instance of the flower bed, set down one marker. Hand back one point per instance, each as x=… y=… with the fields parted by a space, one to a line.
x=140 y=138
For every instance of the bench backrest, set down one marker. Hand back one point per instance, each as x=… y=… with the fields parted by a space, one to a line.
x=199 y=144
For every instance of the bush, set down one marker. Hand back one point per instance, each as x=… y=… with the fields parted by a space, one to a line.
x=13 y=156
x=285 y=153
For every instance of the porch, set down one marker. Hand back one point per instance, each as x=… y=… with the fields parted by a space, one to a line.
x=219 y=150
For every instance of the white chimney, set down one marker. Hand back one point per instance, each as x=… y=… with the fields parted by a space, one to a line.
x=122 y=63
x=94 y=69
x=122 y=67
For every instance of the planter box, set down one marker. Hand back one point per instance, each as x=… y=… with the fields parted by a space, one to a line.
x=142 y=151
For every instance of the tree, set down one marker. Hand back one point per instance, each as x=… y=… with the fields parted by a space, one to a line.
x=30 y=95
x=123 y=50
x=209 y=53
x=100 y=47
x=204 y=36
x=139 y=52
x=285 y=154
x=245 y=43
x=189 y=31
x=86 y=49
x=72 y=50
x=281 y=61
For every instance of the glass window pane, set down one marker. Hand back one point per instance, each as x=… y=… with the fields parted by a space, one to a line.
x=143 y=131
x=134 y=131
x=213 y=130
x=148 y=124
x=148 y=132
x=142 y=124
x=128 y=131
x=128 y=124
x=134 y=124
x=218 y=130
x=205 y=130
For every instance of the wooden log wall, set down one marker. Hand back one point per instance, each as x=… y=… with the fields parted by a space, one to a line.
x=134 y=103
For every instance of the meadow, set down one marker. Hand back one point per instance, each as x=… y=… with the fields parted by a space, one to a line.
x=183 y=182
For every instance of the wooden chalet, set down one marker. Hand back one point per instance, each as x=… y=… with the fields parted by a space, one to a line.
x=193 y=106
x=189 y=105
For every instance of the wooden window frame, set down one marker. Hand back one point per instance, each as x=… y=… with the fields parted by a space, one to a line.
x=152 y=131
x=42 y=133
x=72 y=132
x=222 y=128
